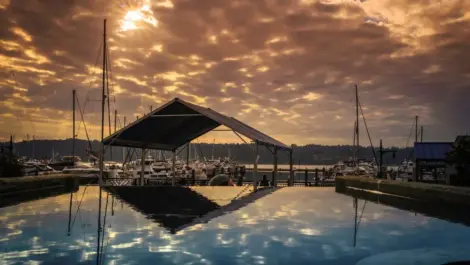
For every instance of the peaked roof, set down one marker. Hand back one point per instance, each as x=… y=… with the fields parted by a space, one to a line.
x=177 y=123
x=432 y=150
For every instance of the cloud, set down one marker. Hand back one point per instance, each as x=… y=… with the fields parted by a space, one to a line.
x=296 y=61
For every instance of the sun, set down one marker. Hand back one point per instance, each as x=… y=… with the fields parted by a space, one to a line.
x=135 y=16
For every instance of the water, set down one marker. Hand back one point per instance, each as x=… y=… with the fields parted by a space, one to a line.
x=289 y=226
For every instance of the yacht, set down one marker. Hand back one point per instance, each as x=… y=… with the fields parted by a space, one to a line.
x=345 y=167
x=81 y=168
x=406 y=170
x=137 y=167
x=65 y=161
x=35 y=168
x=161 y=165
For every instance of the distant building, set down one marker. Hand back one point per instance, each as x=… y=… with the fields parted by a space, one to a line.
x=431 y=160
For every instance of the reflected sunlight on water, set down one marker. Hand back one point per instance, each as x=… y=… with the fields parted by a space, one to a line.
x=288 y=226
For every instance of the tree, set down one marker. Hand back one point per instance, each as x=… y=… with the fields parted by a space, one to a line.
x=459 y=157
x=9 y=166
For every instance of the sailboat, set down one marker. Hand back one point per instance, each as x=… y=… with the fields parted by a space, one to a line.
x=407 y=167
x=356 y=166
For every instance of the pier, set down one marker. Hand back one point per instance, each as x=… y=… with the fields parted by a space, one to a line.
x=430 y=193
x=22 y=189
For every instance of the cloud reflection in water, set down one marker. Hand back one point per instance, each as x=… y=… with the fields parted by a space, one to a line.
x=292 y=225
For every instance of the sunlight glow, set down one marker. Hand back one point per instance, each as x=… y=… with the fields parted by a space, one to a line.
x=141 y=14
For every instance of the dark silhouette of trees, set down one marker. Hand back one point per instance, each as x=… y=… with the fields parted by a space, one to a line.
x=459 y=157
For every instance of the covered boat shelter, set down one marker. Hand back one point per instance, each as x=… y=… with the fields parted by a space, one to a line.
x=430 y=159
x=177 y=123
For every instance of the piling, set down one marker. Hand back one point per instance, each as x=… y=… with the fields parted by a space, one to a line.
x=306 y=177
x=193 y=176
x=316 y=177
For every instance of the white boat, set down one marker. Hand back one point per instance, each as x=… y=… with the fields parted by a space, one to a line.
x=35 y=168
x=345 y=168
x=137 y=167
x=81 y=168
x=406 y=170
x=113 y=169
x=160 y=165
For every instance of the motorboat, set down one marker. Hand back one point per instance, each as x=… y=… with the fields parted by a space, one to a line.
x=65 y=161
x=81 y=168
x=406 y=171
x=137 y=167
x=160 y=165
x=35 y=168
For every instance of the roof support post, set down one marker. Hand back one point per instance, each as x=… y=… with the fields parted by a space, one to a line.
x=173 y=167
x=142 y=167
x=188 y=150
x=275 y=168
x=291 y=171
x=255 y=169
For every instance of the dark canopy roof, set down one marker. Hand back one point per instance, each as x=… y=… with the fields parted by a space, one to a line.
x=177 y=123
x=431 y=150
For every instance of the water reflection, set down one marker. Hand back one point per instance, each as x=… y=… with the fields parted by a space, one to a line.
x=289 y=226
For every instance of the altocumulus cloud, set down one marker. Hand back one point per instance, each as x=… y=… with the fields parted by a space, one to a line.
x=285 y=67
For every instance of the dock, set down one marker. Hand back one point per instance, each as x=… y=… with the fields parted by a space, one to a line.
x=430 y=193
x=20 y=189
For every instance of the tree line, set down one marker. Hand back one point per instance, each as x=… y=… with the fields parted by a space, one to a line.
x=311 y=154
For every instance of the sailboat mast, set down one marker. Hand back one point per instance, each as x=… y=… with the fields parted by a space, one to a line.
x=213 y=146
x=354 y=143
x=416 y=129
x=103 y=98
x=73 y=124
x=357 y=124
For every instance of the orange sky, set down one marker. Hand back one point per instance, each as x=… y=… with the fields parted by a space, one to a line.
x=287 y=68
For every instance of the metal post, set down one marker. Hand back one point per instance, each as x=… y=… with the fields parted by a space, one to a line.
x=193 y=177
x=173 y=168
x=416 y=129
x=381 y=158
x=306 y=177
x=422 y=133
x=275 y=168
x=291 y=170
x=255 y=168
x=188 y=148
x=316 y=177
x=142 y=169
x=73 y=126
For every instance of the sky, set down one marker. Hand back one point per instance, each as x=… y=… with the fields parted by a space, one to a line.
x=285 y=67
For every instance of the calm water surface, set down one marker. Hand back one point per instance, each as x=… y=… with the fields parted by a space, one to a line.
x=289 y=226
